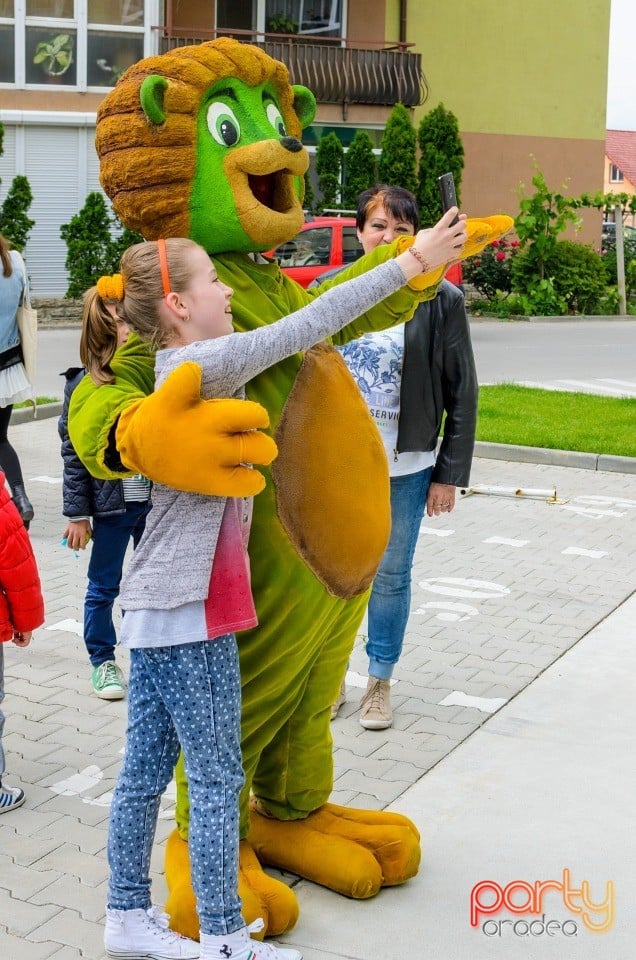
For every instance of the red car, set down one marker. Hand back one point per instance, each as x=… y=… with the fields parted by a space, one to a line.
x=325 y=243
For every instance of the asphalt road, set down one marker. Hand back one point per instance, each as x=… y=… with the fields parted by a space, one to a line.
x=596 y=356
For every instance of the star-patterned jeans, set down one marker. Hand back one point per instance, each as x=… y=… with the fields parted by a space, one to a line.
x=187 y=695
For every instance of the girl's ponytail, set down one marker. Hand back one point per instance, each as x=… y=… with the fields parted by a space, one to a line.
x=99 y=339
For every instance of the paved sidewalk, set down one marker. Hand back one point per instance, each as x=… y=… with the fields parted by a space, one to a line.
x=503 y=589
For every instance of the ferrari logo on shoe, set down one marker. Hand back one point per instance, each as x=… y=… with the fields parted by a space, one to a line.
x=225 y=950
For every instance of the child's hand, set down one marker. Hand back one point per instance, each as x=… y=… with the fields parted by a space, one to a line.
x=77 y=534
x=22 y=639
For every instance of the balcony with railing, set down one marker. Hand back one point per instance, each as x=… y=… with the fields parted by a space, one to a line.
x=336 y=69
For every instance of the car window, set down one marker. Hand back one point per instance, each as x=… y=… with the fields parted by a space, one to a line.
x=310 y=248
x=351 y=249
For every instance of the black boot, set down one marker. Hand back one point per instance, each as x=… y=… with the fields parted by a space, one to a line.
x=22 y=503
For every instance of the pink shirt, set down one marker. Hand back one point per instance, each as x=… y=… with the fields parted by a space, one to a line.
x=229 y=605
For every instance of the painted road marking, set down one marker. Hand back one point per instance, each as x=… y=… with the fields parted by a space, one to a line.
x=68 y=626
x=485 y=704
x=581 y=552
x=507 y=542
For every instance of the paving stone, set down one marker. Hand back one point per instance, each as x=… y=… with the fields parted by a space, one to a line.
x=21 y=917
x=20 y=948
x=56 y=727
x=69 y=929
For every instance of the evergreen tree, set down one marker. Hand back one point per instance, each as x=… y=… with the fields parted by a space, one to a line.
x=441 y=151
x=329 y=158
x=89 y=244
x=15 y=224
x=360 y=168
x=397 y=163
x=309 y=199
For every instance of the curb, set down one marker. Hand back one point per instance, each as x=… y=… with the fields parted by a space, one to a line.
x=483 y=448
x=42 y=412
x=555 y=458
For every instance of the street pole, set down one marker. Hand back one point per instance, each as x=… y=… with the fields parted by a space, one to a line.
x=620 y=259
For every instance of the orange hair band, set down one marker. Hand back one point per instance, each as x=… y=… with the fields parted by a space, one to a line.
x=163 y=264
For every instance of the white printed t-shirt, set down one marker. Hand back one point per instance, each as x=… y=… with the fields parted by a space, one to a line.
x=375 y=363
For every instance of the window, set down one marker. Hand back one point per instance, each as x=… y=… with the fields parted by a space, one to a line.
x=76 y=44
x=310 y=248
x=616 y=175
x=307 y=17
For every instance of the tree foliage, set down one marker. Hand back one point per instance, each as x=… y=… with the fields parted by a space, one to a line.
x=309 y=200
x=360 y=168
x=95 y=242
x=397 y=162
x=329 y=161
x=15 y=223
x=441 y=151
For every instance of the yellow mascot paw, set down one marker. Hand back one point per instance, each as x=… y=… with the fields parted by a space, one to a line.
x=262 y=896
x=354 y=852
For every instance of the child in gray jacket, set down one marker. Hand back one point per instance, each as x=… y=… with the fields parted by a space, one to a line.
x=187 y=591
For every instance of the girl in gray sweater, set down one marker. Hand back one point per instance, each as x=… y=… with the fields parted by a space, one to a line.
x=187 y=591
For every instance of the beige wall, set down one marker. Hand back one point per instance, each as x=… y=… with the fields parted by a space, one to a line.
x=57 y=99
x=495 y=165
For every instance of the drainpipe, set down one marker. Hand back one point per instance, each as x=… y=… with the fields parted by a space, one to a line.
x=403 y=18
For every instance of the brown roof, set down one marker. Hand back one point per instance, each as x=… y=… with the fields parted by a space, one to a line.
x=620 y=147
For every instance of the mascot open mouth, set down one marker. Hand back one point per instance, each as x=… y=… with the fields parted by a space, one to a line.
x=263 y=177
x=264 y=189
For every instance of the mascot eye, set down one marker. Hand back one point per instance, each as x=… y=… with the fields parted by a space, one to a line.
x=276 y=120
x=223 y=125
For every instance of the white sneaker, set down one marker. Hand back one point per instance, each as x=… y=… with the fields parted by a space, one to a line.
x=10 y=798
x=240 y=946
x=145 y=935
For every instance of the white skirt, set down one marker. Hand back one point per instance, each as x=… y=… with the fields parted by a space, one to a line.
x=14 y=385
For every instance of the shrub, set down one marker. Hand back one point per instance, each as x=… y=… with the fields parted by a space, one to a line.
x=609 y=260
x=490 y=272
x=579 y=276
x=15 y=224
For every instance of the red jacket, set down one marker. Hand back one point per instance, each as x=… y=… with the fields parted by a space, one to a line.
x=21 y=603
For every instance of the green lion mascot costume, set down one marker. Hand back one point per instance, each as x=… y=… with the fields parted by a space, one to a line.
x=204 y=142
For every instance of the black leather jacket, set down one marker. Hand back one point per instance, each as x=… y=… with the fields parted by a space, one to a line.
x=439 y=375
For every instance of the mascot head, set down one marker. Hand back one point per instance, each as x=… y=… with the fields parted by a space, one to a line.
x=204 y=142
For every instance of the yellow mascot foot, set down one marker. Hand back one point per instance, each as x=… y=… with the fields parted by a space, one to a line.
x=262 y=895
x=354 y=852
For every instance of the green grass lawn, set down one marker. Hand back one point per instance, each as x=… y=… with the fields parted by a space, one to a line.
x=40 y=401
x=557 y=420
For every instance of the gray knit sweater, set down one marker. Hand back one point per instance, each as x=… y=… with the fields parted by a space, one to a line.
x=173 y=561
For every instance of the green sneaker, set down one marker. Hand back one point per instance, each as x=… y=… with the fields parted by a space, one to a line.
x=108 y=681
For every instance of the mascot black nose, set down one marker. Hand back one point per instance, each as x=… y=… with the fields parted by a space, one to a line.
x=291 y=144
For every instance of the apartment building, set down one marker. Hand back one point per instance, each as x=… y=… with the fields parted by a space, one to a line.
x=59 y=57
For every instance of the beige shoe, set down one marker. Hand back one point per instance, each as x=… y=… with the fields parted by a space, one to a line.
x=340 y=699
x=375 y=706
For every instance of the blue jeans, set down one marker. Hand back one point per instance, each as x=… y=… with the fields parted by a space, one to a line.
x=111 y=536
x=390 y=601
x=188 y=695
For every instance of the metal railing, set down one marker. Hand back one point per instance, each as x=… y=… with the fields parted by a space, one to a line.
x=336 y=69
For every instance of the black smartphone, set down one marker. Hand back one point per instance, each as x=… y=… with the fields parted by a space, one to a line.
x=446 y=184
